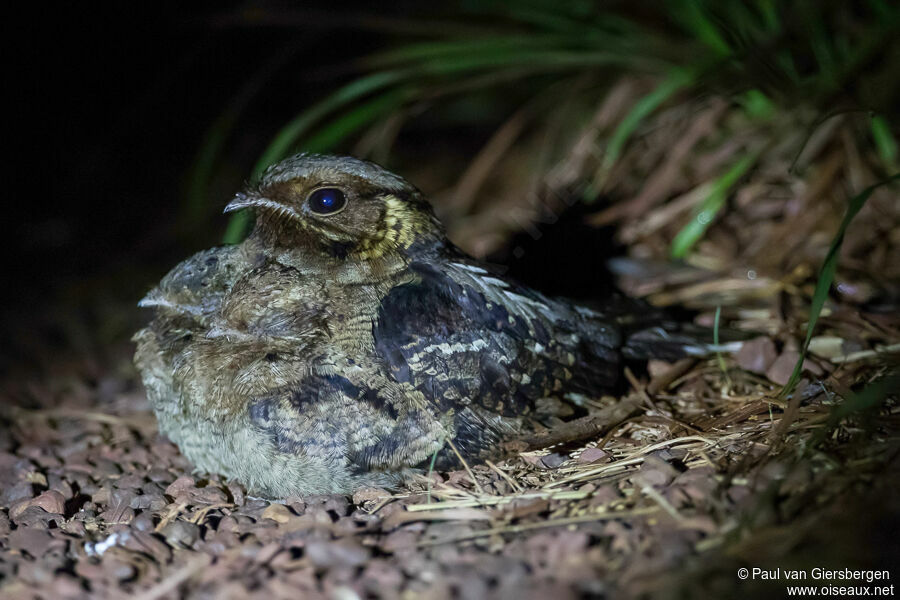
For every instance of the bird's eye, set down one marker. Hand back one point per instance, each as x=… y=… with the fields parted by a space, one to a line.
x=326 y=201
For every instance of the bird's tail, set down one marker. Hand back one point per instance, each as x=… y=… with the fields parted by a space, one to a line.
x=673 y=341
x=652 y=332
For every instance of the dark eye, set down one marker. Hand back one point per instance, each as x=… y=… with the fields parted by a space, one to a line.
x=326 y=201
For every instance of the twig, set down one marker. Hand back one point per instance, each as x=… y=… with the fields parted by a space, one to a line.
x=171 y=513
x=171 y=583
x=576 y=430
x=485 y=162
x=663 y=503
x=466 y=465
x=640 y=390
x=381 y=505
x=512 y=482
x=498 y=500
x=619 y=465
x=663 y=381
x=863 y=354
x=776 y=436
x=197 y=518
x=649 y=401
x=552 y=523
x=635 y=459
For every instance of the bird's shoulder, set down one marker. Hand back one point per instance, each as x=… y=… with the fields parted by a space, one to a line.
x=465 y=335
x=450 y=287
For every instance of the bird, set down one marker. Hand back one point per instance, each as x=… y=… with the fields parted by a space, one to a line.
x=348 y=343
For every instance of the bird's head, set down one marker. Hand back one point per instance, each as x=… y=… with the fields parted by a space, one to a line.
x=339 y=207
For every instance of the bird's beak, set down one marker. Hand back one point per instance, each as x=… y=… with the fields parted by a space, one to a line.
x=153 y=298
x=242 y=201
x=156 y=299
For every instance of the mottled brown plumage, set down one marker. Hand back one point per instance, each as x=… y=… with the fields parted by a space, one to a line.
x=346 y=340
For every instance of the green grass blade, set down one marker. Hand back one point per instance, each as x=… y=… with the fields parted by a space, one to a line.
x=430 y=480
x=533 y=59
x=286 y=139
x=757 y=104
x=719 y=358
x=595 y=46
x=826 y=276
x=816 y=35
x=425 y=53
x=883 y=10
x=768 y=11
x=710 y=206
x=861 y=404
x=200 y=174
x=202 y=169
x=691 y=14
x=339 y=129
x=577 y=20
x=677 y=80
x=884 y=141
x=866 y=399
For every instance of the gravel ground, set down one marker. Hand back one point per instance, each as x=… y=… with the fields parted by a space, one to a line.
x=93 y=503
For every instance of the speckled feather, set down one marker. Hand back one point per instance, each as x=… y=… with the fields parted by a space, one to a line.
x=329 y=352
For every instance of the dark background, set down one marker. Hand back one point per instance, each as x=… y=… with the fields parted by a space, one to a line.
x=113 y=109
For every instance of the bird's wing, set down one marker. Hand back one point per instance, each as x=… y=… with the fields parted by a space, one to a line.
x=196 y=285
x=350 y=428
x=481 y=346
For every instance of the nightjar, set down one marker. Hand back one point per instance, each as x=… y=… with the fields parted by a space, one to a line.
x=346 y=341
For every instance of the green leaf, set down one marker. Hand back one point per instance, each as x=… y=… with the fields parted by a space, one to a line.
x=868 y=398
x=677 y=80
x=826 y=276
x=769 y=12
x=710 y=206
x=884 y=141
x=692 y=15
x=286 y=139
x=339 y=129
x=858 y=404
x=757 y=104
x=719 y=358
x=202 y=169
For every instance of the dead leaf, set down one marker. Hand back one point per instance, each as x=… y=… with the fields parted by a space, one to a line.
x=756 y=355
x=278 y=513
